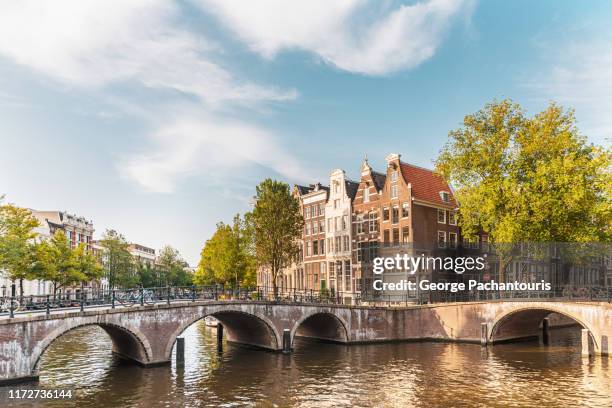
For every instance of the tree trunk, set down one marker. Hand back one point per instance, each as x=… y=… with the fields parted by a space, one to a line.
x=274 y=287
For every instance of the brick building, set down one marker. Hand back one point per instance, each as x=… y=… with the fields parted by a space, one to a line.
x=312 y=274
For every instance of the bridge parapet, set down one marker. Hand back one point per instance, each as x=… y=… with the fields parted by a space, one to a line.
x=146 y=334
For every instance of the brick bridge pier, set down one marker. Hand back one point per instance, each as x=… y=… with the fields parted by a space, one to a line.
x=147 y=334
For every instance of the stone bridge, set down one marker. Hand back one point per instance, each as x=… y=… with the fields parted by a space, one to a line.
x=147 y=334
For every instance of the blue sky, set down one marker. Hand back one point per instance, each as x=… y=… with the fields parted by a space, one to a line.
x=158 y=118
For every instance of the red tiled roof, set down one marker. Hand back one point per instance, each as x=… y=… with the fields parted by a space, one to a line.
x=426 y=185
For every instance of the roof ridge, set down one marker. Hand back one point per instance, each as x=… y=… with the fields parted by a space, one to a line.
x=418 y=167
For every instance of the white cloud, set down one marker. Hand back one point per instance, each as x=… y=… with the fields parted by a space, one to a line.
x=98 y=42
x=360 y=36
x=95 y=44
x=193 y=145
x=581 y=78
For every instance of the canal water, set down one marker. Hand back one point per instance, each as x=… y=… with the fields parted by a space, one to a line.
x=330 y=375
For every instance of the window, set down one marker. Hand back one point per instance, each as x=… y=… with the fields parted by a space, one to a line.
x=315 y=227
x=441 y=239
x=395 y=214
x=394 y=191
x=322 y=247
x=405 y=210
x=441 y=217
x=386 y=236
x=372 y=222
x=366 y=194
x=336 y=187
x=331 y=270
x=337 y=222
x=321 y=226
x=344 y=222
x=329 y=225
x=346 y=243
x=359 y=252
x=452 y=239
x=405 y=234
x=338 y=244
x=359 y=224
x=307 y=229
x=452 y=218
x=396 y=235
x=315 y=211
x=330 y=245
x=394 y=176
x=386 y=214
x=315 y=247
x=336 y=203
x=308 y=248
x=321 y=209
x=347 y=275
x=307 y=212
x=445 y=196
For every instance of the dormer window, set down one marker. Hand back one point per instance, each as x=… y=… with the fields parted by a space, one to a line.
x=445 y=196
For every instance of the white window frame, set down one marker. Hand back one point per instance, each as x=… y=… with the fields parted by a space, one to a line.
x=444 y=242
x=454 y=213
x=394 y=193
x=372 y=222
x=443 y=212
x=366 y=194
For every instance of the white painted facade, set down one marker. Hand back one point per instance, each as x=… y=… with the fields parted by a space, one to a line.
x=339 y=236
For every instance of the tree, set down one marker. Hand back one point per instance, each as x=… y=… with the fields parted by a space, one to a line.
x=17 y=243
x=87 y=265
x=172 y=266
x=146 y=275
x=227 y=257
x=276 y=223
x=57 y=262
x=117 y=260
x=528 y=179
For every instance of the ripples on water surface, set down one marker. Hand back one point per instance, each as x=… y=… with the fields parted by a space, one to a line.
x=329 y=375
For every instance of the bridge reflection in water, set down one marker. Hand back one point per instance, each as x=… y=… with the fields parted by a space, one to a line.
x=146 y=334
x=322 y=374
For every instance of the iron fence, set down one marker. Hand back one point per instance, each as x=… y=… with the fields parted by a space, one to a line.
x=88 y=298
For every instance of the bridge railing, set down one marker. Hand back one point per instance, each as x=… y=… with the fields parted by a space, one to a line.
x=89 y=297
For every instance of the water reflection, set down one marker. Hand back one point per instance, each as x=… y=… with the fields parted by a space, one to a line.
x=330 y=375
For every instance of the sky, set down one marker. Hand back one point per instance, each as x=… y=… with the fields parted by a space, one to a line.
x=158 y=118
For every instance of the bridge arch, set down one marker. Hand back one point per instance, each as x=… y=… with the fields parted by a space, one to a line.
x=242 y=327
x=127 y=343
x=524 y=322
x=324 y=326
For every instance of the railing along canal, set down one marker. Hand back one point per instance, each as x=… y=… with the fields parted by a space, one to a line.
x=88 y=297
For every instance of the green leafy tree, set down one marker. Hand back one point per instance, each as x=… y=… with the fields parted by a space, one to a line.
x=147 y=275
x=117 y=260
x=17 y=243
x=276 y=223
x=172 y=267
x=227 y=257
x=528 y=179
x=87 y=264
x=57 y=262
